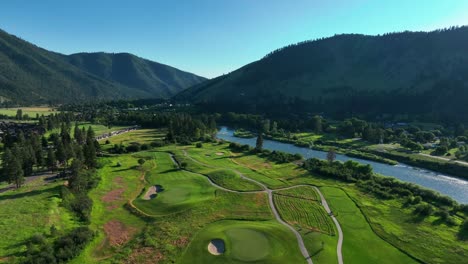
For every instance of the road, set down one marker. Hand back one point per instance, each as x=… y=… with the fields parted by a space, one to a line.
x=445 y=159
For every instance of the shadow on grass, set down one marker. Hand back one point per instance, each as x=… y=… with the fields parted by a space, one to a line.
x=31 y=193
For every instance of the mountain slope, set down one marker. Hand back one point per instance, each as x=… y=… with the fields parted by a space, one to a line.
x=29 y=74
x=129 y=70
x=423 y=74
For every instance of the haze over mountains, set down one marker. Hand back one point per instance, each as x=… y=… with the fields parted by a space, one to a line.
x=410 y=73
x=30 y=74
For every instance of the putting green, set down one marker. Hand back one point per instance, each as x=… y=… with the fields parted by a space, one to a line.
x=180 y=190
x=245 y=242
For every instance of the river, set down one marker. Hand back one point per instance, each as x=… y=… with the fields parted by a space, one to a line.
x=447 y=185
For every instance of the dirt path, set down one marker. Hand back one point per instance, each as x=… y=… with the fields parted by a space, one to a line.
x=327 y=208
x=444 y=159
x=338 y=227
x=45 y=176
x=300 y=242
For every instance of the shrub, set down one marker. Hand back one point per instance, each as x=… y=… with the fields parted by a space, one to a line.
x=424 y=210
x=144 y=147
x=463 y=233
x=156 y=144
x=107 y=142
x=133 y=148
x=199 y=145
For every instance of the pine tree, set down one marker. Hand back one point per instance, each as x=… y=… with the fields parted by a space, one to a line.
x=259 y=143
x=51 y=160
x=17 y=173
x=7 y=159
x=78 y=135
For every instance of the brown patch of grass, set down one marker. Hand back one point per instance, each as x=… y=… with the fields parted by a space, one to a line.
x=145 y=255
x=114 y=195
x=117 y=233
x=181 y=242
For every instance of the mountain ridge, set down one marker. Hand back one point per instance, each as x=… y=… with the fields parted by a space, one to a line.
x=30 y=74
x=350 y=74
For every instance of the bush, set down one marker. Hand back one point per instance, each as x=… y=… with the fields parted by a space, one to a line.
x=463 y=233
x=144 y=147
x=424 y=210
x=133 y=148
x=199 y=145
x=157 y=144
x=107 y=142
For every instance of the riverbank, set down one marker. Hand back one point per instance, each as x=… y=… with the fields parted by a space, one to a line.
x=357 y=148
x=456 y=188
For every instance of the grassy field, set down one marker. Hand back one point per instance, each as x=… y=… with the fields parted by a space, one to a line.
x=427 y=239
x=115 y=225
x=361 y=244
x=304 y=214
x=226 y=178
x=181 y=190
x=249 y=165
x=31 y=210
x=31 y=111
x=302 y=192
x=97 y=128
x=141 y=136
x=245 y=242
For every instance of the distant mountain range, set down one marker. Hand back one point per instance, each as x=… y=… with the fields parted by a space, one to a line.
x=423 y=74
x=30 y=74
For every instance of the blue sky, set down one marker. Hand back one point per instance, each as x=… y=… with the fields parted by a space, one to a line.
x=212 y=37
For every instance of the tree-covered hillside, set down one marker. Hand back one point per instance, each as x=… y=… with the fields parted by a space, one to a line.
x=423 y=74
x=30 y=74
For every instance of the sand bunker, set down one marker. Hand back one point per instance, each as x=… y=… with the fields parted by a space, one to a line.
x=216 y=247
x=152 y=192
x=219 y=153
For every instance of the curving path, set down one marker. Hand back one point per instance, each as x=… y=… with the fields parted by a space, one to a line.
x=338 y=227
x=300 y=242
x=269 y=191
x=327 y=208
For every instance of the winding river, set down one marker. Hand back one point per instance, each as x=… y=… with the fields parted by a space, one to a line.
x=447 y=185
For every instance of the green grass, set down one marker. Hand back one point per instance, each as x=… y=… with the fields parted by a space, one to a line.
x=303 y=192
x=361 y=244
x=126 y=178
x=97 y=128
x=245 y=242
x=209 y=154
x=181 y=190
x=142 y=136
x=428 y=239
x=226 y=178
x=304 y=214
x=31 y=210
x=31 y=111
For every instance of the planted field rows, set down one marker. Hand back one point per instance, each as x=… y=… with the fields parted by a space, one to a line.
x=302 y=192
x=304 y=213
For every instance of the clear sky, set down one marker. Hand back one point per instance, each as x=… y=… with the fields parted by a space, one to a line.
x=212 y=37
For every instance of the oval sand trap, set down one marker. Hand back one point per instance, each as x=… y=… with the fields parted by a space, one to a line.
x=216 y=247
x=152 y=191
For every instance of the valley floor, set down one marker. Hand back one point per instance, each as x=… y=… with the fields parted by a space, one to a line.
x=169 y=209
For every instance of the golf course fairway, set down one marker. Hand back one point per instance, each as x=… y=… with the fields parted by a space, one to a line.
x=180 y=190
x=245 y=242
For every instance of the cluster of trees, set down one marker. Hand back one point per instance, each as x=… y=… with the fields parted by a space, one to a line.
x=185 y=128
x=349 y=171
x=65 y=247
x=22 y=154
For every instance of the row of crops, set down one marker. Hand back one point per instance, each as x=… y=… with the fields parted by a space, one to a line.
x=303 y=192
x=304 y=213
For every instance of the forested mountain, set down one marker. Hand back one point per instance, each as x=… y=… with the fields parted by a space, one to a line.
x=30 y=74
x=415 y=74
